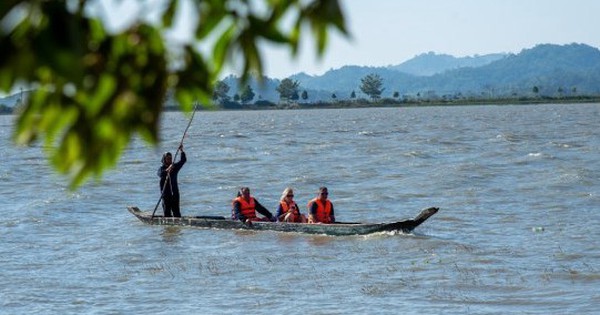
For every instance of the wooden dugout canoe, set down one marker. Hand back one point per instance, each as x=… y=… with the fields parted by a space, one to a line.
x=338 y=228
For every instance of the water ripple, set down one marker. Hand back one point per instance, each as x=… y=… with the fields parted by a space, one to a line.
x=516 y=233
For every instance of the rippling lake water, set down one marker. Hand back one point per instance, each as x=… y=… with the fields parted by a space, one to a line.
x=517 y=233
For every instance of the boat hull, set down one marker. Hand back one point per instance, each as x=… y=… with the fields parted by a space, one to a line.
x=338 y=228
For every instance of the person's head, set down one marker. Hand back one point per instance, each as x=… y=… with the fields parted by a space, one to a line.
x=323 y=193
x=167 y=158
x=245 y=192
x=287 y=194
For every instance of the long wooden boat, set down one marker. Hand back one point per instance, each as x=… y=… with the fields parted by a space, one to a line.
x=338 y=228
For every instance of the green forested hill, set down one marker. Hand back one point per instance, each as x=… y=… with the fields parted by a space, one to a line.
x=545 y=70
x=552 y=69
x=549 y=70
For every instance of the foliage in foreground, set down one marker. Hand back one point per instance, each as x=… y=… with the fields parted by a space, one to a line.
x=95 y=90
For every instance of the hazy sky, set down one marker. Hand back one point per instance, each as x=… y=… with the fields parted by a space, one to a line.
x=389 y=32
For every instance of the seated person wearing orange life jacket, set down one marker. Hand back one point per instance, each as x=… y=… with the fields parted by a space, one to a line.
x=246 y=206
x=288 y=210
x=320 y=209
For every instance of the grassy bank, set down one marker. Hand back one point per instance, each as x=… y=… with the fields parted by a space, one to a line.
x=386 y=102
x=389 y=102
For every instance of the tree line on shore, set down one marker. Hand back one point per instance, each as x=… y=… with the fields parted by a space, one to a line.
x=291 y=95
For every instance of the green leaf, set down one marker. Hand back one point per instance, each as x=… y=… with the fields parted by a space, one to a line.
x=221 y=50
x=95 y=90
x=168 y=16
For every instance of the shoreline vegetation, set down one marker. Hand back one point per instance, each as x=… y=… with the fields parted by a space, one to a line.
x=388 y=102
x=365 y=103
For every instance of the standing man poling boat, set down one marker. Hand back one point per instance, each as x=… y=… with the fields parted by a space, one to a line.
x=168 y=183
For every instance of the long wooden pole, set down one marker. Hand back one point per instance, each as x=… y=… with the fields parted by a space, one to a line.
x=168 y=179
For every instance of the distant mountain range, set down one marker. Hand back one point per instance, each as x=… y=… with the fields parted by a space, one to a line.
x=553 y=70
x=431 y=63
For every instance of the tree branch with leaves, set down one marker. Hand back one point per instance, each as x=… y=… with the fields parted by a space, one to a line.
x=94 y=90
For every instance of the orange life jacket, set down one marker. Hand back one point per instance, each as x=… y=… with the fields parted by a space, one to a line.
x=247 y=208
x=323 y=213
x=285 y=207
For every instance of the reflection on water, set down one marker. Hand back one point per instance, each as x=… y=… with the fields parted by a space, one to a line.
x=320 y=240
x=288 y=239
x=171 y=234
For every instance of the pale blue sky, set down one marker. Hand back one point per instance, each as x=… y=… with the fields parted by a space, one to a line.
x=389 y=32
